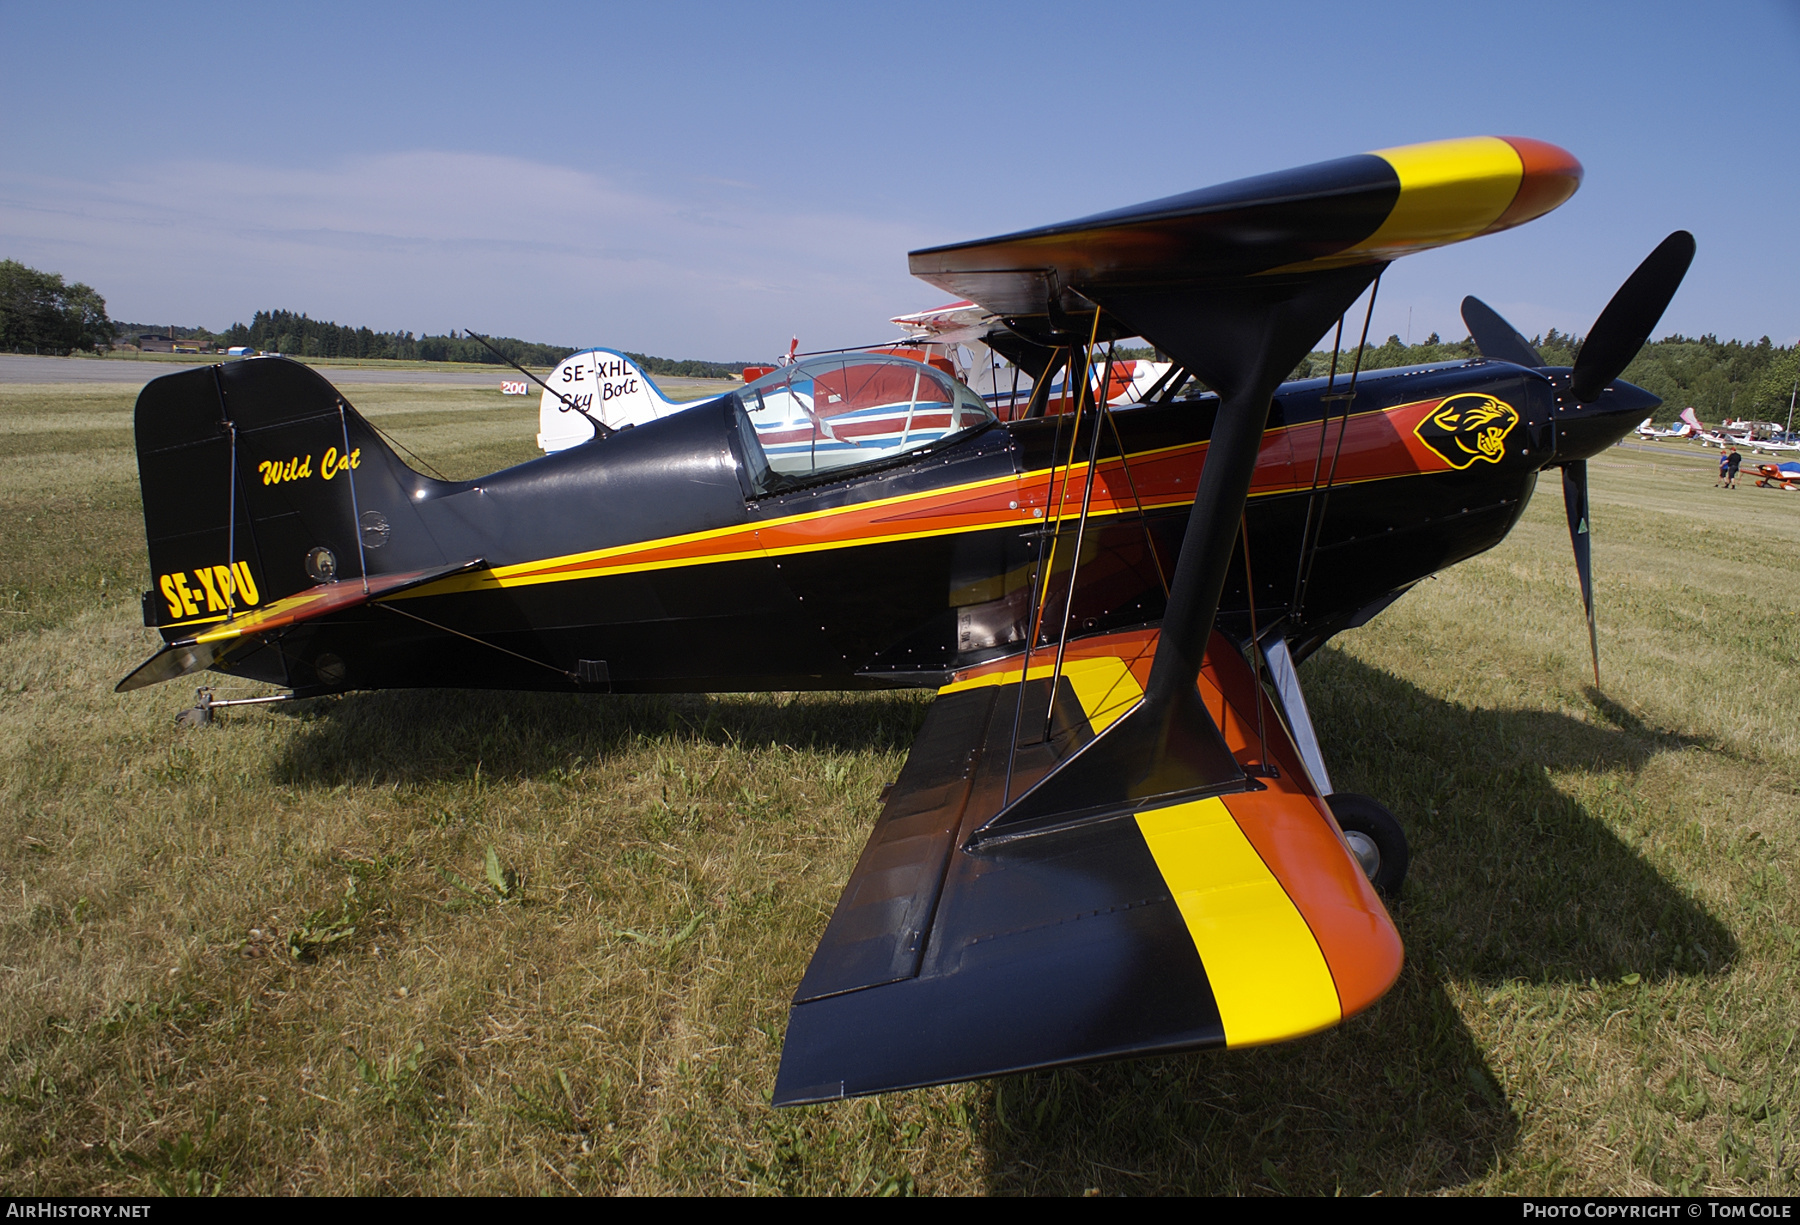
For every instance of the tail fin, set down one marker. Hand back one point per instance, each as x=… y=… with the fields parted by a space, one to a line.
x=260 y=481
x=602 y=383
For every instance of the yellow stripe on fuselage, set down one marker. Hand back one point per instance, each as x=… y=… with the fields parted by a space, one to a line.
x=593 y=563
x=631 y=558
x=1268 y=977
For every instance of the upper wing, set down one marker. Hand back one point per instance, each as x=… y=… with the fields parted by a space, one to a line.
x=1364 y=209
x=1221 y=921
x=233 y=636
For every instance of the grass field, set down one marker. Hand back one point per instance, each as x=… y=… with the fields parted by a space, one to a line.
x=418 y=942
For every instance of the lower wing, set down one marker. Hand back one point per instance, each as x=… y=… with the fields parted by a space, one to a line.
x=1224 y=920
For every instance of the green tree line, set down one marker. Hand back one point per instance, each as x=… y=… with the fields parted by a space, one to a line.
x=40 y=313
x=297 y=334
x=687 y=368
x=1718 y=378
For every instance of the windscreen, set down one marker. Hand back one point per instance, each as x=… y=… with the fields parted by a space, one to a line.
x=831 y=413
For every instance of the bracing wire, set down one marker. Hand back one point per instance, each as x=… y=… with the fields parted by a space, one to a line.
x=1310 y=552
x=402 y=446
x=1087 y=497
x=1045 y=557
x=362 y=557
x=480 y=641
x=1143 y=518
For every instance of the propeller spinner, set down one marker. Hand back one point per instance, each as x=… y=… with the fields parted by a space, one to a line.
x=1615 y=339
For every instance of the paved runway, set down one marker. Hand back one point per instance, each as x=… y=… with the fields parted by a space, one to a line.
x=28 y=368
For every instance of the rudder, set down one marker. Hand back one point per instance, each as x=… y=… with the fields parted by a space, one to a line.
x=259 y=481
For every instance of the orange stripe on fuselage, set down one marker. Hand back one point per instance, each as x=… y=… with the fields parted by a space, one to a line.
x=1376 y=445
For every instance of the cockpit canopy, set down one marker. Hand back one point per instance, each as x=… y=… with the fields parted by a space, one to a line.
x=828 y=413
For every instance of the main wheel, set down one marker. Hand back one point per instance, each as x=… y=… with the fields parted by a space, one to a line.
x=1375 y=838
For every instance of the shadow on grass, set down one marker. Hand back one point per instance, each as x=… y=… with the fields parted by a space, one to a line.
x=1397 y=1099
x=427 y=736
x=1511 y=880
x=1627 y=721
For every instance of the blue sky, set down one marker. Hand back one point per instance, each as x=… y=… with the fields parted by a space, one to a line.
x=699 y=180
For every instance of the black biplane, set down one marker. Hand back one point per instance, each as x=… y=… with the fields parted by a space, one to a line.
x=1115 y=834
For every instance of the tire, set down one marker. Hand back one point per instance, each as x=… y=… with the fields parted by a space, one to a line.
x=1375 y=839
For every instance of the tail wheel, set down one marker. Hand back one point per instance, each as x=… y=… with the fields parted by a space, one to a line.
x=1375 y=838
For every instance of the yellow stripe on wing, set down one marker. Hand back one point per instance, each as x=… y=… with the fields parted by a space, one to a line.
x=1267 y=974
x=1449 y=190
x=1103 y=685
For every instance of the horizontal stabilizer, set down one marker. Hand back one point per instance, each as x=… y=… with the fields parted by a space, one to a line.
x=232 y=636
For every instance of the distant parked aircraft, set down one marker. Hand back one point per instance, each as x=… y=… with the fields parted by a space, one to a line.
x=968 y=334
x=1687 y=426
x=603 y=385
x=1777 y=476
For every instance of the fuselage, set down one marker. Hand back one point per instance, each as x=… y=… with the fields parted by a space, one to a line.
x=668 y=558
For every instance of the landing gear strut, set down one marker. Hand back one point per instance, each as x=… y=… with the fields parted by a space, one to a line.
x=200 y=714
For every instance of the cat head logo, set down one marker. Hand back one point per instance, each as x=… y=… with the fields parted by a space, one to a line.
x=1468 y=427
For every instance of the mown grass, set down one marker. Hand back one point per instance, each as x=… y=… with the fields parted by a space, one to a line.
x=439 y=943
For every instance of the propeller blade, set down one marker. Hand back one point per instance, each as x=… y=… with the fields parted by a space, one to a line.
x=1575 y=503
x=1495 y=337
x=1625 y=324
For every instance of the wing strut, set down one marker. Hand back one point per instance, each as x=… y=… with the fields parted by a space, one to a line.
x=1101 y=420
x=1040 y=390
x=1241 y=338
x=1264 y=768
x=1166 y=381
